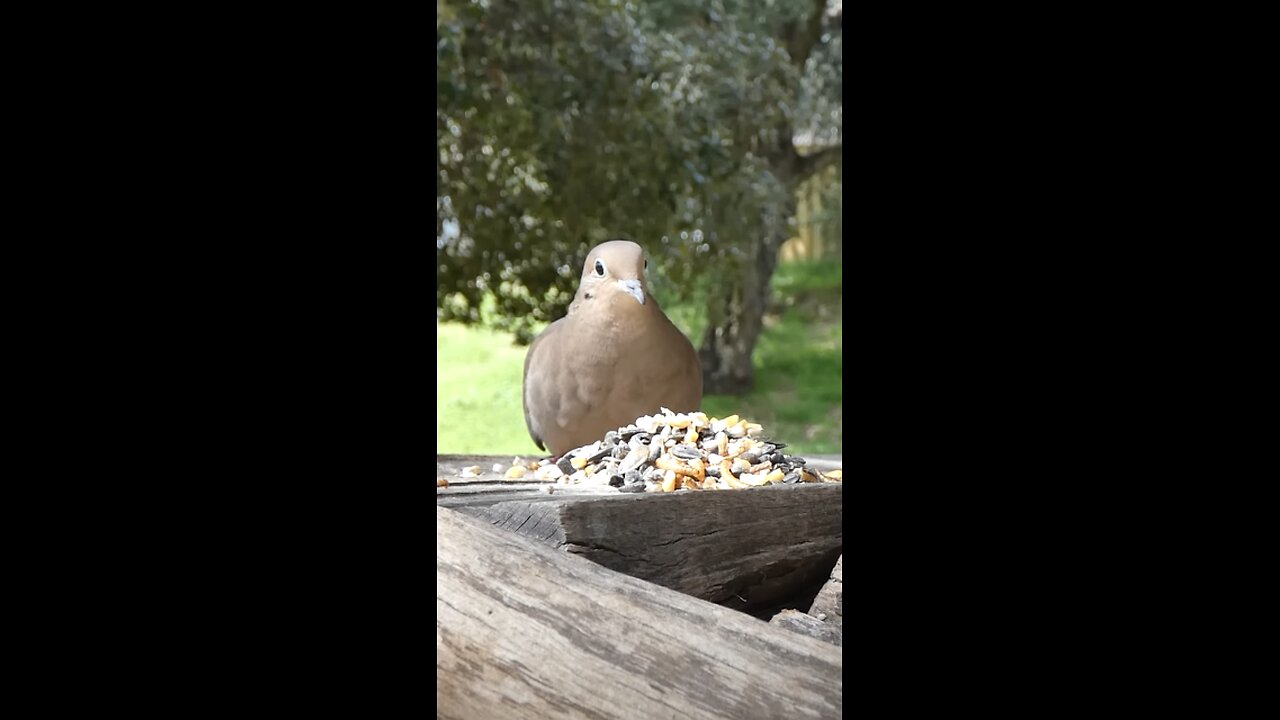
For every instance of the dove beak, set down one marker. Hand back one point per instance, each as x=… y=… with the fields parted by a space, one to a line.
x=633 y=288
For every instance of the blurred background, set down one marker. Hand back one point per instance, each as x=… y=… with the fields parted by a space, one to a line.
x=708 y=132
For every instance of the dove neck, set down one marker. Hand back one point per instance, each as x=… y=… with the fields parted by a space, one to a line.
x=622 y=319
x=615 y=305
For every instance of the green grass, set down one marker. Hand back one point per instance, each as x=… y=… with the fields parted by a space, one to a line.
x=478 y=408
x=798 y=395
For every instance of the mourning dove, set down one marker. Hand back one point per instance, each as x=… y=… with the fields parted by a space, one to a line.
x=613 y=358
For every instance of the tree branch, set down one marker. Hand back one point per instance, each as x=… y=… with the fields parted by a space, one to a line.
x=801 y=41
x=809 y=165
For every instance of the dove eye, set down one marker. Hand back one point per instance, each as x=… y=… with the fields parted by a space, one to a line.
x=599 y=268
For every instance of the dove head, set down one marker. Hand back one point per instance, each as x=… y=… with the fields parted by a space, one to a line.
x=613 y=272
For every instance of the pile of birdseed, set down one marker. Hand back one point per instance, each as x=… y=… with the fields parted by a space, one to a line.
x=677 y=451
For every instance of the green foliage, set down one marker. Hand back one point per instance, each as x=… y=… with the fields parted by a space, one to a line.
x=562 y=123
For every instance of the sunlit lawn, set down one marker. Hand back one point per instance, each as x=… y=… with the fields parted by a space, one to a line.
x=798 y=395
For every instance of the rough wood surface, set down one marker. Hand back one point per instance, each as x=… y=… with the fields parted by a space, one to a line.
x=525 y=631
x=745 y=549
x=830 y=600
x=799 y=622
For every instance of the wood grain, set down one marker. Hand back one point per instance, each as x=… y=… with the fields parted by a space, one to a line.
x=808 y=625
x=830 y=600
x=746 y=549
x=525 y=631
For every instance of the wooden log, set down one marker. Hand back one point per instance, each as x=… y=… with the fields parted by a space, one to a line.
x=525 y=631
x=747 y=549
x=805 y=624
x=828 y=606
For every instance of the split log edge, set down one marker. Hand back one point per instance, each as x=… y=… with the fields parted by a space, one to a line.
x=523 y=630
x=750 y=550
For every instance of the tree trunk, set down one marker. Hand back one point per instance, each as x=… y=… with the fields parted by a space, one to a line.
x=736 y=317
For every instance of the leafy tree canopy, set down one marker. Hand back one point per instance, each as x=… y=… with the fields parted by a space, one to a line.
x=562 y=123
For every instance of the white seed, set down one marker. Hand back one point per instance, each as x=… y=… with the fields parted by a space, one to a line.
x=633 y=460
x=548 y=472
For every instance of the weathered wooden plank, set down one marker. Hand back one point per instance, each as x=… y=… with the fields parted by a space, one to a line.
x=746 y=549
x=451 y=466
x=828 y=606
x=489 y=486
x=525 y=631
x=481 y=494
x=808 y=625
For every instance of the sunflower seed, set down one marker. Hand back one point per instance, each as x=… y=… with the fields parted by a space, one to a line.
x=687 y=452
